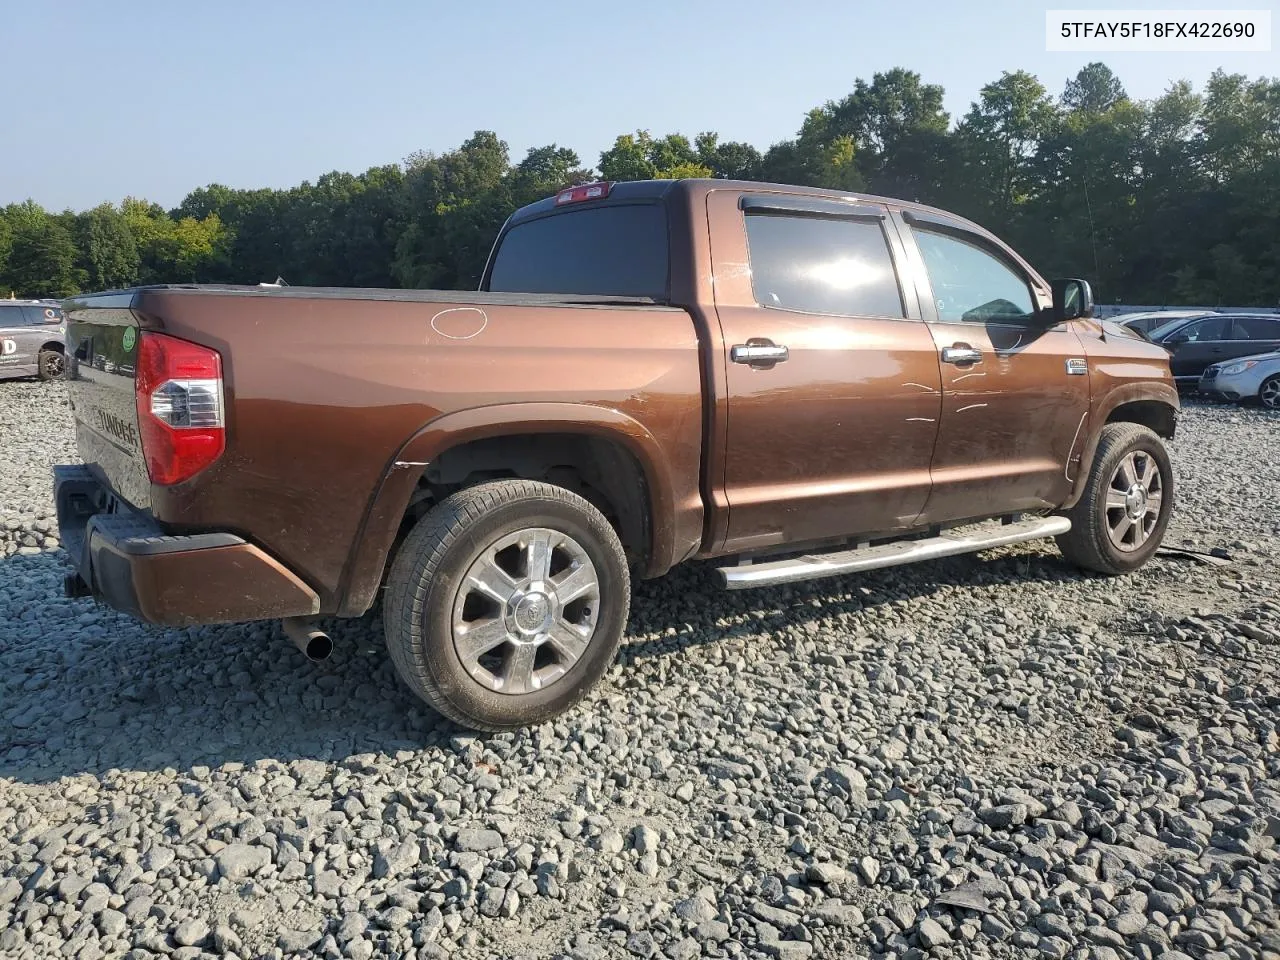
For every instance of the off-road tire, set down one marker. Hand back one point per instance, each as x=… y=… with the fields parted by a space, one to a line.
x=1088 y=543
x=424 y=582
x=51 y=365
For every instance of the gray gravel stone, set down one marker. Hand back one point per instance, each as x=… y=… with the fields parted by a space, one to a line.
x=190 y=932
x=239 y=861
x=1087 y=763
x=932 y=934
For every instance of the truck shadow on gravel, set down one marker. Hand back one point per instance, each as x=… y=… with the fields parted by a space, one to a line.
x=84 y=690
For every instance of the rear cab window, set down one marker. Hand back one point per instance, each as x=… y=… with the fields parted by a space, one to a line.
x=614 y=250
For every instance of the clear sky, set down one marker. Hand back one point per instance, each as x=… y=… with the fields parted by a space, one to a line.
x=104 y=100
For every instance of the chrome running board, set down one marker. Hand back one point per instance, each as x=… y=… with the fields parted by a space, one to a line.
x=961 y=540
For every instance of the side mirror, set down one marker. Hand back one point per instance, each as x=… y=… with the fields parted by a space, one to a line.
x=1177 y=341
x=1072 y=300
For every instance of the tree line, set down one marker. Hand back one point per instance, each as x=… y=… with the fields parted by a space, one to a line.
x=1172 y=200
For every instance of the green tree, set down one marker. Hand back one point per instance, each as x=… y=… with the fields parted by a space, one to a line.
x=1095 y=89
x=628 y=158
x=997 y=139
x=108 y=252
x=42 y=255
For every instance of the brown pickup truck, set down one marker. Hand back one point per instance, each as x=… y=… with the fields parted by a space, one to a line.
x=800 y=382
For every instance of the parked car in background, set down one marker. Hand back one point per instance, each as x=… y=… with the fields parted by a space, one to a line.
x=1196 y=342
x=1146 y=322
x=32 y=339
x=1255 y=378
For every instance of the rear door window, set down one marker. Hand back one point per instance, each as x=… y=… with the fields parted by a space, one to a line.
x=42 y=314
x=612 y=251
x=829 y=265
x=1256 y=328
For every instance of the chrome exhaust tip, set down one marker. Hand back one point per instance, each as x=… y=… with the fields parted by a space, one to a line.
x=307 y=637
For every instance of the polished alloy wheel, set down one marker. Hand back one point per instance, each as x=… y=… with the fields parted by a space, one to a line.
x=1133 y=501
x=1270 y=394
x=526 y=610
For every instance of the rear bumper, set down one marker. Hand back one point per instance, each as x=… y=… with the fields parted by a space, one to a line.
x=127 y=561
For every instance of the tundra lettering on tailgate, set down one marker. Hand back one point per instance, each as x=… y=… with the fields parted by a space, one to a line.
x=121 y=429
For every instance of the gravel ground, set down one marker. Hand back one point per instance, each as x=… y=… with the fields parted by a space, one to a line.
x=993 y=756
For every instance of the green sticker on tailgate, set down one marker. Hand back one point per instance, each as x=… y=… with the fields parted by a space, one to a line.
x=130 y=335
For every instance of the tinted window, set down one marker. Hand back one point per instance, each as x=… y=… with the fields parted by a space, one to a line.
x=12 y=315
x=1168 y=327
x=42 y=314
x=971 y=285
x=618 y=251
x=1256 y=328
x=1202 y=331
x=816 y=265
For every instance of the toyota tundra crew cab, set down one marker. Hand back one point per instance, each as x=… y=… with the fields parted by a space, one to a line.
x=795 y=382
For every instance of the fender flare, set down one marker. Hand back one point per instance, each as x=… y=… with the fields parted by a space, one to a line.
x=367 y=561
x=1100 y=415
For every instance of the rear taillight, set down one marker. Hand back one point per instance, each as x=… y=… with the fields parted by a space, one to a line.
x=178 y=386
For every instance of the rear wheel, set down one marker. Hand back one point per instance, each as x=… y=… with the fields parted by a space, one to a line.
x=506 y=603
x=1121 y=518
x=1269 y=393
x=51 y=365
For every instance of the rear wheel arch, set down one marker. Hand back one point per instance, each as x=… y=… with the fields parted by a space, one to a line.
x=468 y=439
x=600 y=469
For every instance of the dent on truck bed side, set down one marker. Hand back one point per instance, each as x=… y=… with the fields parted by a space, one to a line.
x=670 y=479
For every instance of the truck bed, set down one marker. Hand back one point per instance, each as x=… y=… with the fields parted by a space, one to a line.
x=335 y=399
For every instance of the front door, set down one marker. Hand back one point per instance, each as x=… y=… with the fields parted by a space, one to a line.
x=1015 y=393
x=831 y=376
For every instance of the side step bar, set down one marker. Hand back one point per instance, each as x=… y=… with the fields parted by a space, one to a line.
x=890 y=554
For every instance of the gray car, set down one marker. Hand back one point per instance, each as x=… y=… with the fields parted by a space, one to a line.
x=1248 y=378
x=32 y=339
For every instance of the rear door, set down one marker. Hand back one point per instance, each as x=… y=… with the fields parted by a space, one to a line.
x=832 y=378
x=1015 y=395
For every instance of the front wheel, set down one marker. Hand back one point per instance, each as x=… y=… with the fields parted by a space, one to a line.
x=51 y=365
x=506 y=603
x=1269 y=393
x=1120 y=519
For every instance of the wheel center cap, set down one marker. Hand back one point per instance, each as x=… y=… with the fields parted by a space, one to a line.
x=1135 y=502
x=533 y=612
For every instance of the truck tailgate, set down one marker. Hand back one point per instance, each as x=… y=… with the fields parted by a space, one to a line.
x=102 y=344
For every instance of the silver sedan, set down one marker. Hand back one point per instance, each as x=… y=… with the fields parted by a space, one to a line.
x=1248 y=378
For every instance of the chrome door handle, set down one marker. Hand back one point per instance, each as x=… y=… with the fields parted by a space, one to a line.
x=961 y=355
x=754 y=353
